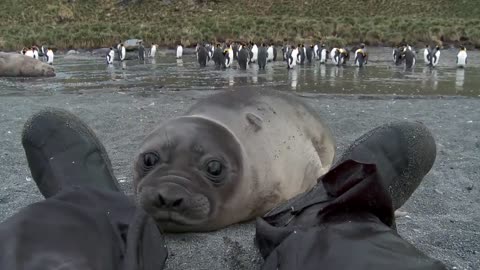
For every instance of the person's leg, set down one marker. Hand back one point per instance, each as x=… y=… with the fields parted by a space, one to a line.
x=347 y=221
x=85 y=222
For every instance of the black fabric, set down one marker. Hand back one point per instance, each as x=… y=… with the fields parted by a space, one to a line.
x=84 y=229
x=345 y=222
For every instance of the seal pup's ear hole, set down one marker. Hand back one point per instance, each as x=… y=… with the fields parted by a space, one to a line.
x=255 y=121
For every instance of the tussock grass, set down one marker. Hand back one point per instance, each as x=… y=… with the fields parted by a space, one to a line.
x=68 y=24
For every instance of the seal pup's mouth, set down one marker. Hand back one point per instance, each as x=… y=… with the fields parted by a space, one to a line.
x=171 y=201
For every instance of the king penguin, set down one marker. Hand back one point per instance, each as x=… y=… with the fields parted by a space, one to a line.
x=462 y=57
x=153 y=50
x=254 y=53
x=49 y=55
x=122 y=52
x=270 y=53
x=179 y=51
x=426 y=55
x=435 y=56
x=110 y=56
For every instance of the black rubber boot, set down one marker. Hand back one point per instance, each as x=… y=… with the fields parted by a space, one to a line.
x=62 y=152
x=404 y=152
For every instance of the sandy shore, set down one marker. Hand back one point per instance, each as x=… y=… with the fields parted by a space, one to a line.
x=444 y=213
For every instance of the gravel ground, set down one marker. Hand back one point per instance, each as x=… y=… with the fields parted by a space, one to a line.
x=443 y=214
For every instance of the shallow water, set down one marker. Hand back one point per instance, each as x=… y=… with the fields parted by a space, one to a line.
x=84 y=73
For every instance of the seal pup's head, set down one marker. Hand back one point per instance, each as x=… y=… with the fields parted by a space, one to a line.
x=187 y=173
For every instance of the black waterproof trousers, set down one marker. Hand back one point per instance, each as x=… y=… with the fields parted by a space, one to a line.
x=346 y=222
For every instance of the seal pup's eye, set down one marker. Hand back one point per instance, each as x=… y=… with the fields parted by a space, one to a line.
x=214 y=169
x=150 y=160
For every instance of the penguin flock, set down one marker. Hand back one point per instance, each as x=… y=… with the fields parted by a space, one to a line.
x=405 y=55
x=35 y=53
x=223 y=55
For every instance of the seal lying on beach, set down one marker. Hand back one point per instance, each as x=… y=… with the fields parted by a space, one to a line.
x=232 y=157
x=19 y=65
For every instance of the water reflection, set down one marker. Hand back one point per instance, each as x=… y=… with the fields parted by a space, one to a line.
x=459 y=79
x=380 y=77
x=293 y=77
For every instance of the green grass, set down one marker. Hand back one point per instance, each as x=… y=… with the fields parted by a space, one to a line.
x=101 y=23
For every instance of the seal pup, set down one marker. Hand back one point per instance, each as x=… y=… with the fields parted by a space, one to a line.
x=232 y=157
x=19 y=65
x=462 y=57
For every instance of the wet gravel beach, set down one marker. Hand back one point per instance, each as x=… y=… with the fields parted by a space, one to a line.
x=123 y=105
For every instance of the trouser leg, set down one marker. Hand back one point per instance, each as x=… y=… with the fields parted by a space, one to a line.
x=82 y=228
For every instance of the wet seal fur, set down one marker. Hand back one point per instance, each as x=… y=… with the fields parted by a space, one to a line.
x=19 y=65
x=232 y=157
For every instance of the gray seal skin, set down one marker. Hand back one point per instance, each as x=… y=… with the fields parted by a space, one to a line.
x=232 y=157
x=19 y=65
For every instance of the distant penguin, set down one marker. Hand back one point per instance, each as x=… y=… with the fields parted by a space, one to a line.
x=274 y=52
x=270 y=53
x=316 y=56
x=301 y=55
x=29 y=53
x=119 y=50
x=409 y=58
x=35 y=53
x=49 y=54
x=110 y=56
x=398 y=55
x=292 y=57
x=435 y=56
x=235 y=51
x=335 y=56
x=462 y=57
x=123 y=52
x=254 y=53
x=153 y=51
x=141 y=51
x=262 y=56
x=202 y=55
x=426 y=55
x=310 y=52
x=323 y=54
x=243 y=57
x=285 y=52
x=228 y=55
x=344 y=56
x=218 y=57
x=360 y=57
x=179 y=51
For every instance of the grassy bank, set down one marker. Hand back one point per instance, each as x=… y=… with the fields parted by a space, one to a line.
x=96 y=23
